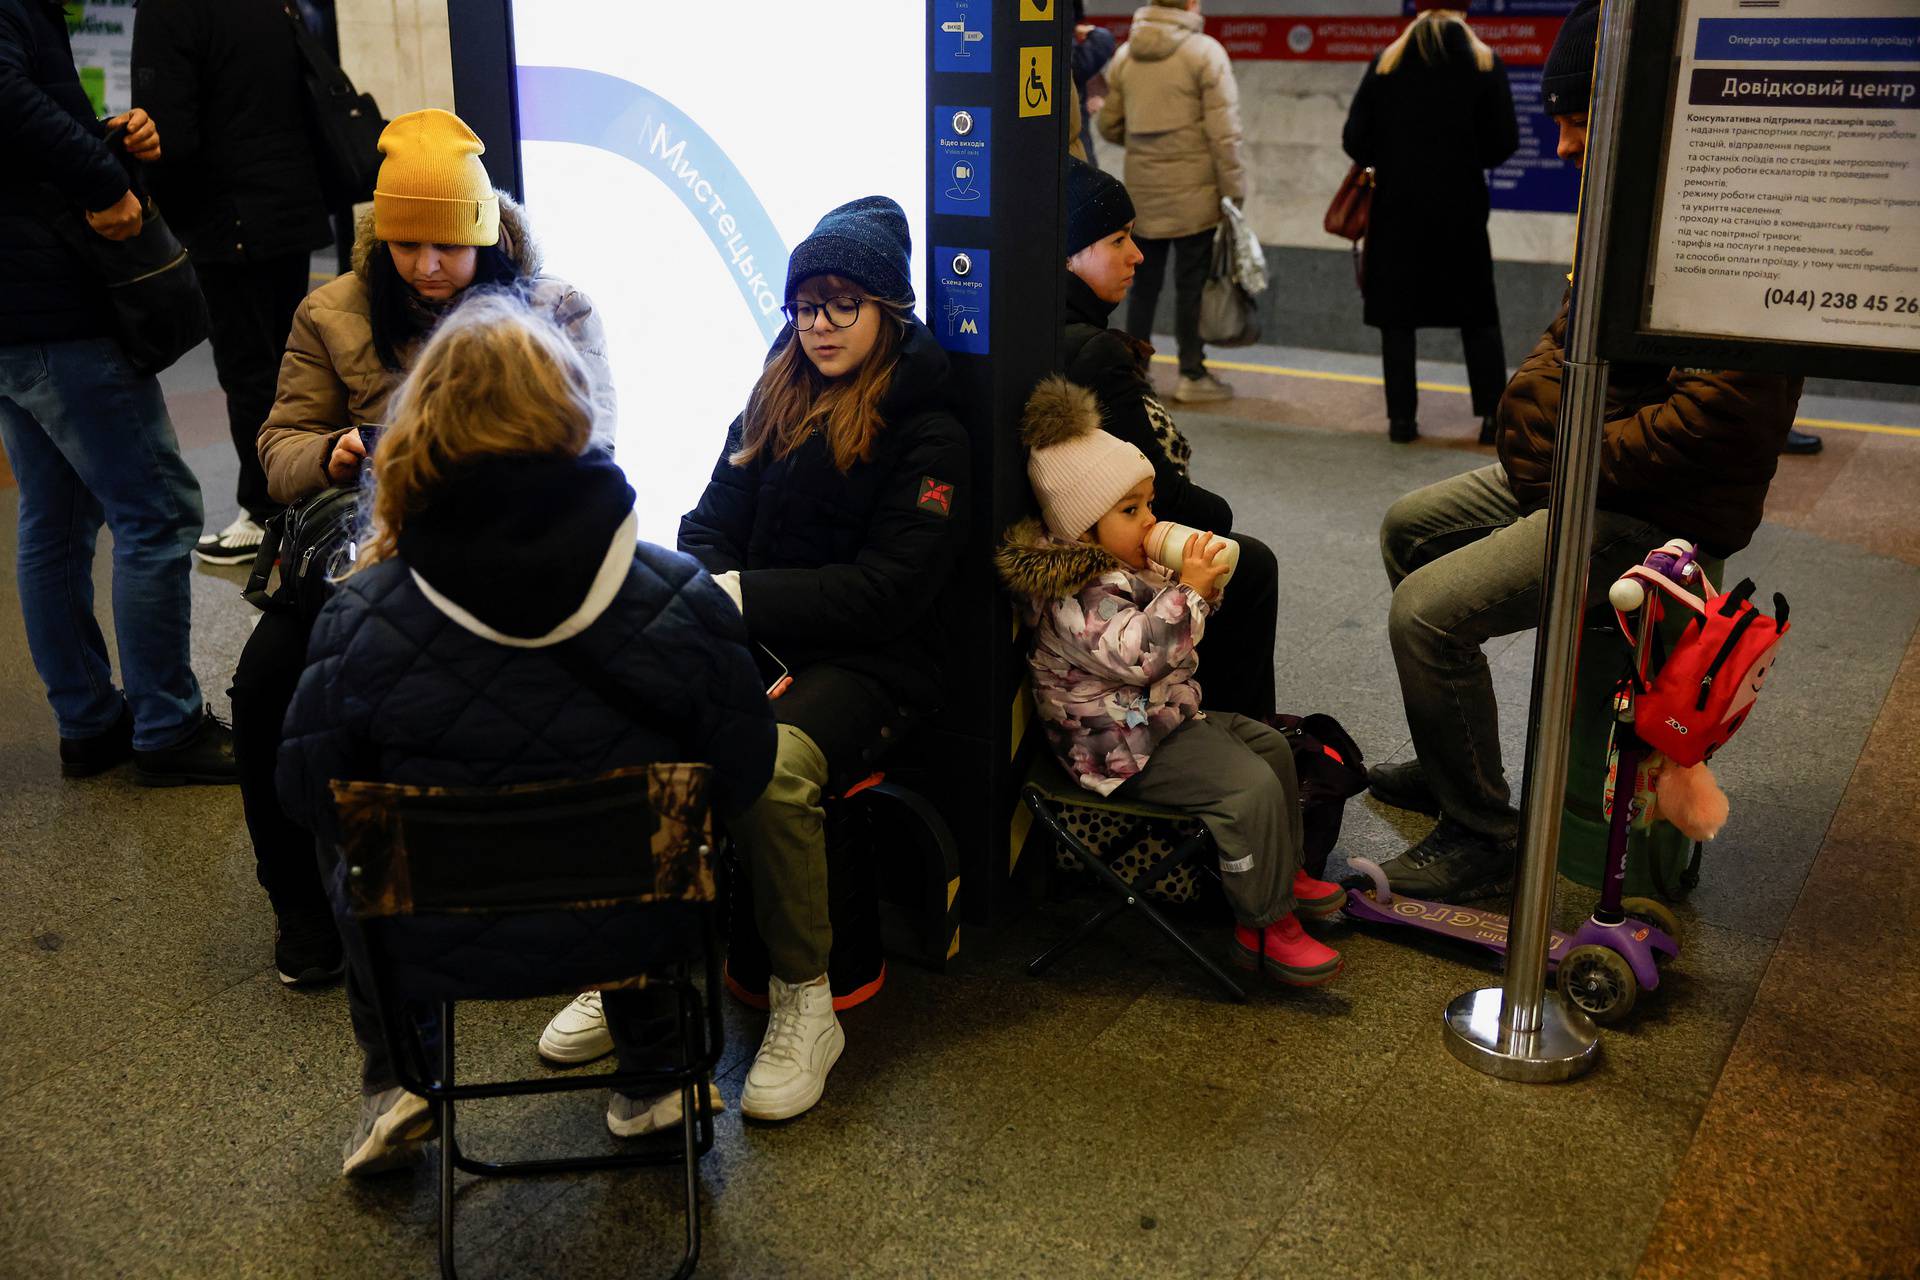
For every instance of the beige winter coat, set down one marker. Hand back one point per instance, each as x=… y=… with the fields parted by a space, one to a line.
x=1172 y=102
x=331 y=381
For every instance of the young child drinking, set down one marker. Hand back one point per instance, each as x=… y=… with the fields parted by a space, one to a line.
x=1113 y=660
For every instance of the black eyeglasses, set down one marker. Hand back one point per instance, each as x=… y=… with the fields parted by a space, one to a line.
x=841 y=312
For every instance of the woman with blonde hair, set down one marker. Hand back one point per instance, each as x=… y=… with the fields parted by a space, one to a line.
x=833 y=521
x=436 y=232
x=502 y=559
x=1433 y=113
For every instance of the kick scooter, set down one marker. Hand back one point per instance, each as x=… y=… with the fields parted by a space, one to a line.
x=1606 y=963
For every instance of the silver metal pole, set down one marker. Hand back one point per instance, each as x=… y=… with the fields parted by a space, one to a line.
x=1520 y=1031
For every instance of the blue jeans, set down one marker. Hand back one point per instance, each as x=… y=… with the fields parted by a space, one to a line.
x=1465 y=564
x=90 y=442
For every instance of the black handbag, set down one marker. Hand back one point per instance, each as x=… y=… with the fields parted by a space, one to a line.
x=346 y=123
x=312 y=542
x=159 y=313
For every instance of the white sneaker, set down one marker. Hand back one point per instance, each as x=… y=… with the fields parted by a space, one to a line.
x=578 y=1033
x=802 y=1043
x=238 y=543
x=393 y=1124
x=1201 y=390
x=633 y=1117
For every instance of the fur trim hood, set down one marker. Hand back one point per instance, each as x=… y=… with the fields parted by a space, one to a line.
x=1035 y=565
x=515 y=238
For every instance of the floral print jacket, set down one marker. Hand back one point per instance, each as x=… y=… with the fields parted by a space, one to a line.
x=1113 y=653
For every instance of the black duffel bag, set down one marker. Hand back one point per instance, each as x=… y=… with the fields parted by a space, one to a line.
x=312 y=542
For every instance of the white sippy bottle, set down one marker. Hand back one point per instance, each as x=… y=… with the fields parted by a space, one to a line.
x=1167 y=544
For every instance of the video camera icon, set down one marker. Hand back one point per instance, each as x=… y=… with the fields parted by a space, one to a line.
x=961 y=181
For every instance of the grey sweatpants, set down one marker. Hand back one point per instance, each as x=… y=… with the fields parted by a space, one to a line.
x=1236 y=776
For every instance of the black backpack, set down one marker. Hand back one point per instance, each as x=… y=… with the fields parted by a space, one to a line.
x=311 y=542
x=1331 y=772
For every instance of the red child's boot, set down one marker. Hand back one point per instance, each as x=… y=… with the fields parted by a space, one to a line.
x=1316 y=899
x=1285 y=953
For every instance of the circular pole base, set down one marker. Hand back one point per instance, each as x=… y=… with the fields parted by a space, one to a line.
x=1566 y=1046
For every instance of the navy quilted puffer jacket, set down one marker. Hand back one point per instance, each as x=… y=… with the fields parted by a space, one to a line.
x=438 y=667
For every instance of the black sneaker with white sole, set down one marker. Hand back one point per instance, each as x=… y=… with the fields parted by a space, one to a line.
x=238 y=543
x=1453 y=864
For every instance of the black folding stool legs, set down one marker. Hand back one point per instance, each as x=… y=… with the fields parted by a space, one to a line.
x=1196 y=848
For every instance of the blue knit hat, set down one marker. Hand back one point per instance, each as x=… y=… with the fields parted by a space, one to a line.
x=865 y=240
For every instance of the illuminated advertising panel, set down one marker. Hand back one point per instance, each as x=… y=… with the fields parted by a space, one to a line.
x=672 y=155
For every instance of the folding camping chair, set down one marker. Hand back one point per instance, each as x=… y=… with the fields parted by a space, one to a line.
x=624 y=858
x=1049 y=791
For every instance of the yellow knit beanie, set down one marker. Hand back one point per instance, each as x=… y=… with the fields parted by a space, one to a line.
x=432 y=186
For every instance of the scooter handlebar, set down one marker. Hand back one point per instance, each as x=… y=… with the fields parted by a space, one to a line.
x=1626 y=595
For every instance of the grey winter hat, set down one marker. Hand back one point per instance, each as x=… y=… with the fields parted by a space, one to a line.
x=1566 y=81
x=865 y=240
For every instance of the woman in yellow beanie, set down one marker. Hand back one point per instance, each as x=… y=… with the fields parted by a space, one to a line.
x=437 y=230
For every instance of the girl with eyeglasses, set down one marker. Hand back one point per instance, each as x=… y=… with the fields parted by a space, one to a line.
x=834 y=519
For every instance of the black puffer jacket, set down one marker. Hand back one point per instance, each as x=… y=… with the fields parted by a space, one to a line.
x=455 y=665
x=1113 y=365
x=847 y=568
x=55 y=165
x=222 y=81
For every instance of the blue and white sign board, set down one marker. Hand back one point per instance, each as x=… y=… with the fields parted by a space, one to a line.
x=1790 y=207
x=963 y=161
x=962 y=34
x=962 y=299
x=668 y=174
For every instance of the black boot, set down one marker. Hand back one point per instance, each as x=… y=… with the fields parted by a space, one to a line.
x=203 y=756
x=85 y=757
x=1402 y=430
x=1487 y=428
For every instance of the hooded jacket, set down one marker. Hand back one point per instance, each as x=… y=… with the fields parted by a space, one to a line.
x=847 y=568
x=1113 y=365
x=1113 y=653
x=1690 y=450
x=1173 y=102
x=444 y=666
x=331 y=381
x=224 y=83
x=56 y=164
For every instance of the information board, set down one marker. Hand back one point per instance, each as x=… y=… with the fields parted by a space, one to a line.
x=1775 y=204
x=670 y=162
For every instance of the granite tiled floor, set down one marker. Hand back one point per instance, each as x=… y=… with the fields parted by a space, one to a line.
x=168 y=1109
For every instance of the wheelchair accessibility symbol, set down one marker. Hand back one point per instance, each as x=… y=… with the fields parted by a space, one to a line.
x=1036 y=88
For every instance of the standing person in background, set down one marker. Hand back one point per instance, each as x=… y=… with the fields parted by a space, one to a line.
x=241 y=187
x=1092 y=50
x=1433 y=113
x=1172 y=101
x=88 y=435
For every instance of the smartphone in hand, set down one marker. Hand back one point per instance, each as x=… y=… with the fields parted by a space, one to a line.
x=772 y=670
